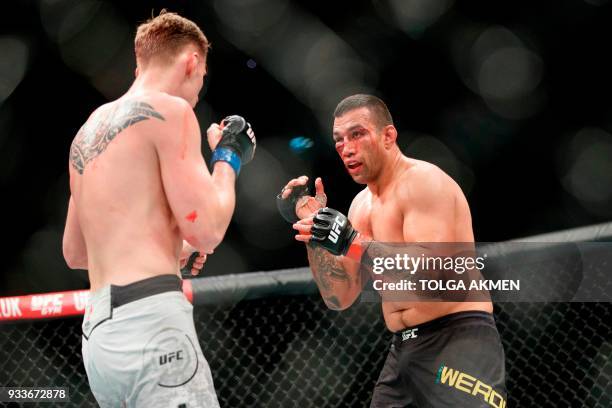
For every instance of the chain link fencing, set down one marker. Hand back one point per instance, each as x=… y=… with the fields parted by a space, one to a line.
x=291 y=351
x=271 y=342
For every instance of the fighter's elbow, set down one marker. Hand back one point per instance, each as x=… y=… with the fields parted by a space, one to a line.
x=337 y=304
x=211 y=241
x=208 y=232
x=336 y=307
x=207 y=240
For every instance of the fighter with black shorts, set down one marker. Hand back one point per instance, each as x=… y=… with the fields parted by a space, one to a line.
x=443 y=353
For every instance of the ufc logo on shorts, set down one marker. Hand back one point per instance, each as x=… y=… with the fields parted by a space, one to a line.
x=409 y=334
x=167 y=358
x=335 y=231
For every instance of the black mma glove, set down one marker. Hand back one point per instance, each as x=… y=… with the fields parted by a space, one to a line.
x=237 y=144
x=333 y=231
x=286 y=206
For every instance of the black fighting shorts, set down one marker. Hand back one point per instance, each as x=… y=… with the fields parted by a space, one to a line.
x=453 y=361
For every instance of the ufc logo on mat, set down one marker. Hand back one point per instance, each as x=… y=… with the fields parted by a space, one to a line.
x=409 y=334
x=167 y=358
x=335 y=231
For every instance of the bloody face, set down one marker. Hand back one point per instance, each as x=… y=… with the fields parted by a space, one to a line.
x=359 y=143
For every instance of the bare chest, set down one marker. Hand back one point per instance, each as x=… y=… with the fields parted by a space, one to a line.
x=379 y=219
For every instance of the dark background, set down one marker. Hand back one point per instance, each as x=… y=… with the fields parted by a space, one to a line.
x=512 y=99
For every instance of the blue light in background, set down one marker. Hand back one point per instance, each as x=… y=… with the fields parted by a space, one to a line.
x=300 y=144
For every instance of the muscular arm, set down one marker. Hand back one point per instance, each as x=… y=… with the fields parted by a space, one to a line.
x=201 y=203
x=430 y=207
x=338 y=278
x=74 y=248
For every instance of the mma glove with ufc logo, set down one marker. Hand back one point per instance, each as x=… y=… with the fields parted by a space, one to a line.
x=333 y=231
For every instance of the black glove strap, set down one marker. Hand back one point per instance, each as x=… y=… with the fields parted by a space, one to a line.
x=186 y=270
x=286 y=206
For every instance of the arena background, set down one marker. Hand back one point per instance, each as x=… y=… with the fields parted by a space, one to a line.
x=511 y=98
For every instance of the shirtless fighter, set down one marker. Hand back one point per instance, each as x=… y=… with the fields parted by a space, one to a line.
x=140 y=187
x=443 y=354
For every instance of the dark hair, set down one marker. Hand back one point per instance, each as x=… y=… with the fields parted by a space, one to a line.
x=376 y=106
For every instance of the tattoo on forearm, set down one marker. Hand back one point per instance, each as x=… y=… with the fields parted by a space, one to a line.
x=326 y=269
x=95 y=135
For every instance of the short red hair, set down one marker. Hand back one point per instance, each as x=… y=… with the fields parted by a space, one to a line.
x=165 y=35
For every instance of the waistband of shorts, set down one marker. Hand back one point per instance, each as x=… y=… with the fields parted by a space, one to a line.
x=122 y=295
x=435 y=325
x=104 y=301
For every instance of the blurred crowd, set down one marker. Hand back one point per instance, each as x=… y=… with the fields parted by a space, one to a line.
x=511 y=99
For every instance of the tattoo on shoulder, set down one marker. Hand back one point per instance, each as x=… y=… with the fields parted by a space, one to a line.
x=327 y=268
x=96 y=134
